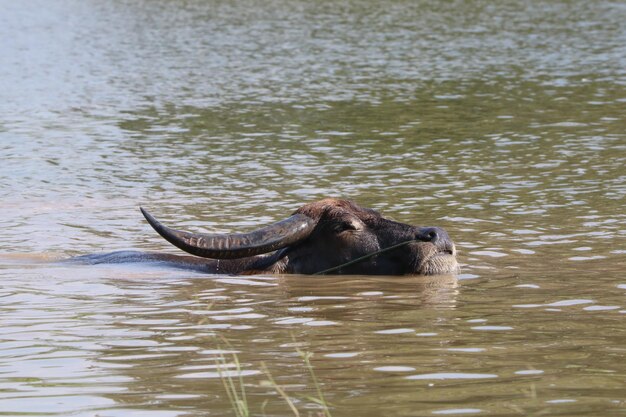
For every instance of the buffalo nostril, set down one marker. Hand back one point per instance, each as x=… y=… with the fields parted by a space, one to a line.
x=428 y=234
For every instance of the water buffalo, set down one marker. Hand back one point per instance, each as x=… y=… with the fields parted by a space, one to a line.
x=318 y=236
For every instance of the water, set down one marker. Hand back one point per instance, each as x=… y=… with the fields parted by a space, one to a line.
x=502 y=122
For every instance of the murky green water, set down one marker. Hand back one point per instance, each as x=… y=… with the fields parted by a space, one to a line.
x=501 y=121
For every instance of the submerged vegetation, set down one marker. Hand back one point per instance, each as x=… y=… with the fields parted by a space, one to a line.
x=236 y=392
x=235 y=388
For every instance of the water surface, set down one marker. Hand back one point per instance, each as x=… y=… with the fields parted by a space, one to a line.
x=502 y=122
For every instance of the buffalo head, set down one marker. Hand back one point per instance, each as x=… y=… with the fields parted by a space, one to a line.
x=323 y=235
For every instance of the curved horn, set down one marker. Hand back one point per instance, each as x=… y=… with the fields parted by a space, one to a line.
x=232 y=246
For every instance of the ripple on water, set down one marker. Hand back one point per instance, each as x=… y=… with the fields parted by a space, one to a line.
x=301 y=309
x=177 y=396
x=61 y=405
x=321 y=298
x=566 y=303
x=246 y=282
x=293 y=320
x=244 y=316
x=132 y=343
x=524 y=251
x=220 y=374
x=529 y=372
x=319 y=323
x=219 y=352
x=586 y=258
x=394 y=369
x=467 y=276
x=340 y=355
x=490 y=253
x=452 y=375
x=469 y=350
x=395 y=331
x=561 y=401
x=452 y=411
x=601 y=308
x=492 y=328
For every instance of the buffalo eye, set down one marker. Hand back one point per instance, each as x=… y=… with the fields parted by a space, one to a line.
x=342 y=227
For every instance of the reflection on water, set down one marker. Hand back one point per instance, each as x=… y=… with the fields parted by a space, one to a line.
x=503 y=123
